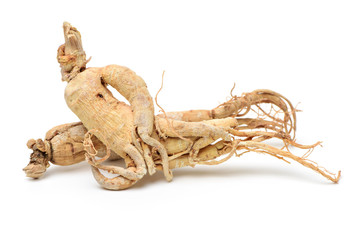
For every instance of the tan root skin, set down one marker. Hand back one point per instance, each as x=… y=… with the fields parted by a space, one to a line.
x=110 y=129
x=207 y=151
x=87 y=96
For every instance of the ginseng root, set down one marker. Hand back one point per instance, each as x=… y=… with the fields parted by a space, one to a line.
x=243 y=141
x=98 y=109
x=63 y=145
x=110 y=129
x=240 y=106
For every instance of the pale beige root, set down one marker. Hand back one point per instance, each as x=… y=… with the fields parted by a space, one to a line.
x=240 y=106
x=114 y=125
x=209 y=155
x=94 y=104
x=200 y=151
x=206 y=155
x=235 y=106
x=92 y=82
x=116 y=183
x=125 y=179
x=169 y=127
x=91 y=153
x=173 y=128
x=249 y=141
x=274 y=98
x=144 y=149
x=39 y=160
x=198 y=131
x=71 y=56
x=259 y=147
x=174 y=145
x=148 y=159
x=134 y=89
x=72 y=60
x=63 y=145
x=87 y=96
x=66 y=140
x=256 y=123
x=210 y=152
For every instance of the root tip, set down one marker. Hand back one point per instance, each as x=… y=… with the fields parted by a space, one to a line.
x=338 y=177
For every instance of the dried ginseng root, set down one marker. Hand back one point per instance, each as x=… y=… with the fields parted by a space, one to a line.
x=68 y=144
x=248 y=135
x=164 y=142
x=63 y=145
x=88 y=97
x=241 y=106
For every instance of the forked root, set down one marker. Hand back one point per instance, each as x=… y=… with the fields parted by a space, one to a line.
x=210 y=154
x=179 y=139
x=260 y=147
x=126 y=176
x=240 y=106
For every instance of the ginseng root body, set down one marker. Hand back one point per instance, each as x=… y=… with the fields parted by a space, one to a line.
x=247 y=134
x=95 y=106
x=87 y=96
x=111 y=129
x=62 y=145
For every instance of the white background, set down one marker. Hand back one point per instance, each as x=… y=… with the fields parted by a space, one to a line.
x=307 y=50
